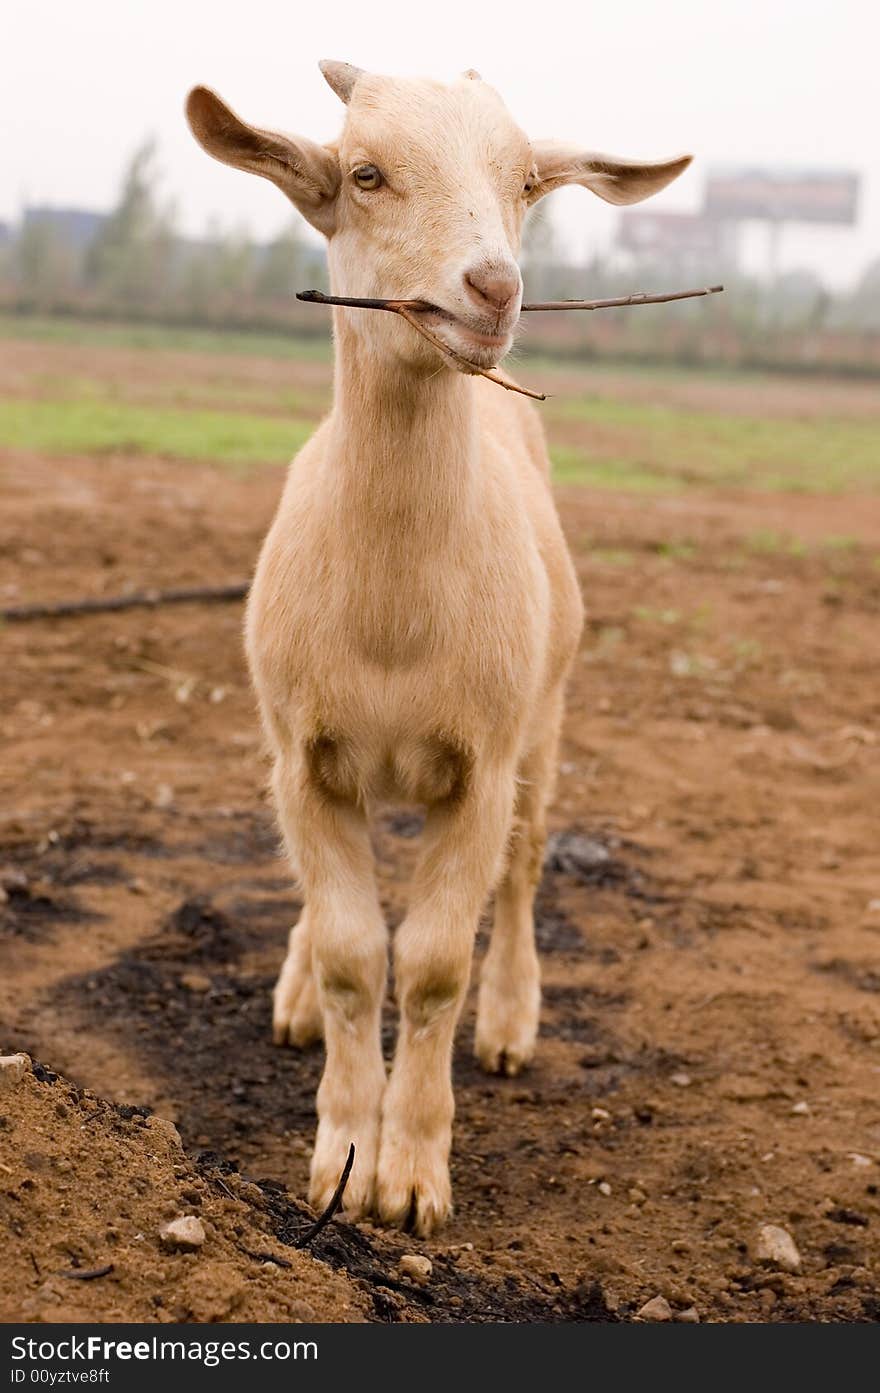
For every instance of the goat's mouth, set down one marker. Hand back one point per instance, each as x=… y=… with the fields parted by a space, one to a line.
x=477 y=344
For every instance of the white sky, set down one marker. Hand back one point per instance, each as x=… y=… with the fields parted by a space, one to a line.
x=782 y=82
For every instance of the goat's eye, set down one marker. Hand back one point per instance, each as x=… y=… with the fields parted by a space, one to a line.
x=367 y=176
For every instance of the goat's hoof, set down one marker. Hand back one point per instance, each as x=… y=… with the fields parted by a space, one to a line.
x=296 y=1013
x=328 y=1162
x=507 y=1030
x=508 y=1060
x=413 y=1190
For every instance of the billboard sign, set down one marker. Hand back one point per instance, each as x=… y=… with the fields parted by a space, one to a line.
x=669 y=234
x=824 y=196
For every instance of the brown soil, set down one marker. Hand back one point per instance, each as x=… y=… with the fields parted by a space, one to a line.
x=712 y=959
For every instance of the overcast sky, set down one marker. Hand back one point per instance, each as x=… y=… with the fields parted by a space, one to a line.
x=782 y=82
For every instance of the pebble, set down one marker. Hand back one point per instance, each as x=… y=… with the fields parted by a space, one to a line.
x=636 y=1195
x=576 y=855
x=601 y=1115
x=658 y=1308
x=689 y=1316
x=165 y=1128
x=302 y=1311
x=801 y=1109
x=604 y=1188
x=13 y=1068
x=417 y=1267
x=681 y=1080
x=196 y=982
x=776 y=1246
x=859 y=1160
x=186 y=1234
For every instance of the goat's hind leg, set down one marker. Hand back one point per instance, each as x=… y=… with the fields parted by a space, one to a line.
x=330 y=844
x=296 y=1010
x=509 y=999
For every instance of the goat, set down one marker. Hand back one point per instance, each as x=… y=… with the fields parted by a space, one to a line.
x=414 y=613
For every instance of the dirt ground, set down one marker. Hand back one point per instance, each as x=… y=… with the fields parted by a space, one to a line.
x=709 y=919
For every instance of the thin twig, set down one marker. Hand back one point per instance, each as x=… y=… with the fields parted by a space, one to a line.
x=332 y=1207
x=87 y=1274
x=138 y=599
x=266 y=1257
x=492 y=374
x=639 y=297
x=409 y=310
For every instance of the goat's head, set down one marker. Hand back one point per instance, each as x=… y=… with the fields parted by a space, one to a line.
x=423 y=197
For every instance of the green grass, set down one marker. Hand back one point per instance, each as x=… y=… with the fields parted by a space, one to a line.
x=658 y=449
x=579 y=466
x=105 y=334
x=233 y=439
x=596 y=441
x=766 y=542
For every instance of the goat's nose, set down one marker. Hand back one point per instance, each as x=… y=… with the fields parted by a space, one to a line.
x=492 y=286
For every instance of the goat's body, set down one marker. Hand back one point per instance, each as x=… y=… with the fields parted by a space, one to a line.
x=411 y=623
x=414 y=612
x=408 y=619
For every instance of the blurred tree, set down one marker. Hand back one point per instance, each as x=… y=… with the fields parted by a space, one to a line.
x=44 y=266
x=280 y=273
x=131 y=259
x=861 y=309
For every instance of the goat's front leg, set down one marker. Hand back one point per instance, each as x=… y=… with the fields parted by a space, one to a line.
x=331 y=847
x=463 y=850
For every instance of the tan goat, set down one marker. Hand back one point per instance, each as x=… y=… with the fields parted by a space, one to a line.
x=414 y=613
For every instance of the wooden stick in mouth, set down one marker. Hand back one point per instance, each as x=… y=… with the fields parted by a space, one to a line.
x=409 y=309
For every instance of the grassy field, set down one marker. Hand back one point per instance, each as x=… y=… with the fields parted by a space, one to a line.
x=640 y=431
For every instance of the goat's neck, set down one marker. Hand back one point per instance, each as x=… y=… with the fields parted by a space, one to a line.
x=405 y=441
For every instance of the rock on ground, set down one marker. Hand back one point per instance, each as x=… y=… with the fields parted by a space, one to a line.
x=13 y=1068
x=415 y=1266
x=658 y=1308
x=776 y=1246
x=186 y=1234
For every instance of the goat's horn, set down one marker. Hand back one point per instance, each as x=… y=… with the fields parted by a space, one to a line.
x=472 y=74
x=341 y=77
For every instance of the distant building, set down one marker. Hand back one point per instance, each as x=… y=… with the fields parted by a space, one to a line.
x=670 y=238
x=5 y=234
x=75 y=227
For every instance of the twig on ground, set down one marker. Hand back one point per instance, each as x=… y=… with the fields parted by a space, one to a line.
x=138 y=599
x=87 y=1274
x=332 y=1207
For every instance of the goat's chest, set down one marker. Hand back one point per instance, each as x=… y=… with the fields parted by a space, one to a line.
x=399 y=642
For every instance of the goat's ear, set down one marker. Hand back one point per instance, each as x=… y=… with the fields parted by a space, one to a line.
x=307 y=173
x=617 y=181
